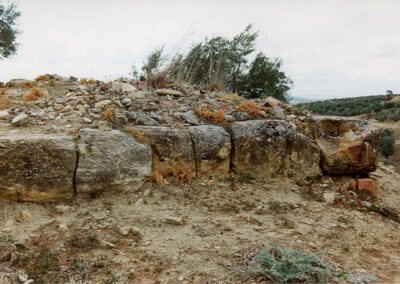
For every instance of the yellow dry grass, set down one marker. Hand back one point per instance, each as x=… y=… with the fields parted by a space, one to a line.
x=250 y=107
x=158 y=179
x=34 y=94
x=5 y=102
x=3 y=91
x=42 y=77
x=85 y=81
x=183 y=175
x=109 y=115
x=230 y=97
x=212 y=116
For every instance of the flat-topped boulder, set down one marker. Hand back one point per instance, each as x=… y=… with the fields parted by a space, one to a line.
x=348 y=146
x=172 y=149
x=212 y=148
x=37 y=167
x=110 y=161
x=272 y=147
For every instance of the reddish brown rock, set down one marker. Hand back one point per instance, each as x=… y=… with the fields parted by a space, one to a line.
x=368 y=185
x=348 y=146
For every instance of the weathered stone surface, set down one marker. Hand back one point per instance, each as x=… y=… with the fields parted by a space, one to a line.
x=37 y=167
x=172 y=149
x=272 y=102
x=4 y=115
x=109 y=161
x=212 y=147
x=368 y=185
x=140 y=118
x=168 y=92
x=273 y=147
x=348 y=146
x=20 y=120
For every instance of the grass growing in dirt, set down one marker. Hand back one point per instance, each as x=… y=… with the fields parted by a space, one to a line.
x=284 y=266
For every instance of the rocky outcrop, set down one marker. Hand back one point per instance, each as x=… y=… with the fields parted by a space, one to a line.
x=37 y=167
x=212 y=148
x=172 y=149
x=110 y=161
x=273 y=147
x=348 y=146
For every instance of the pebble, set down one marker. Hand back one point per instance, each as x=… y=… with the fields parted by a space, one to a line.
x=4 y=115
x=26 y=215
x=20 y=120
x=174 y=220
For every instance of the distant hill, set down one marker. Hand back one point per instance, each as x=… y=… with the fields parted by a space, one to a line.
x=298 y=100
x=381 y=107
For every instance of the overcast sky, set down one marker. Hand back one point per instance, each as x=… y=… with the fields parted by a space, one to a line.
x=330 y=48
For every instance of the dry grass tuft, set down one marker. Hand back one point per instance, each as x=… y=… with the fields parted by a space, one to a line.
x=159 y=80
x=3 y=91
x=250 y=107
x=27 y=85
x=42 y=77
x=34 y=94
x=230 y=97
x=137 y=135
x=183 y=175
x=90 y=81
x=212 y=116
x=158 y=179
x=109 y=115
x=5 y=102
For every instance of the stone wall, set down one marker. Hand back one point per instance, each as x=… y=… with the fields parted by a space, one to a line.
x=45 y=167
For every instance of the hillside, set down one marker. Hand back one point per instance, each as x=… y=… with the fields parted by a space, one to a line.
x=380 y=107
x=120 y=182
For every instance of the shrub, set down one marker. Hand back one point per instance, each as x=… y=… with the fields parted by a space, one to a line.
x=386 y=143
x=42 y=77
x=283 y=266
x=34 y=94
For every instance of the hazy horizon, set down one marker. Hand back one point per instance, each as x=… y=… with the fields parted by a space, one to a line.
x=329 y=48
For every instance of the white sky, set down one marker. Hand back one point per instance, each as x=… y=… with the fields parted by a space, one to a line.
x=330 y=48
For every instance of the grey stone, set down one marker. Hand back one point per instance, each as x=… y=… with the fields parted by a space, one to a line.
x=111 y=160
x=20 y=120
x=140 y=118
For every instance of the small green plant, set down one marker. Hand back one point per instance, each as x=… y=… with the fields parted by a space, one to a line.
x=113 y=279
x=7 y=238
x=42 y=265
x=386 y=143
x=283 y=266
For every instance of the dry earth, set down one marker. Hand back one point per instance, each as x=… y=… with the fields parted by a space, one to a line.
x=203 y=232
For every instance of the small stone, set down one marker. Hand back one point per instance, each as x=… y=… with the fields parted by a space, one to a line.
x=168 y=92
x=272 y=102
x=62 y=208
x=67 y=109
x=26 y=215
x=63 y=227
x=104 y=243
x=102 y=103
x=126 y=101
x=30 y=281
x=87 y=120
x=100 y=215
x=6 y=230
x=22 y=278
x=4 y=115
x=51 y=116
x=174 y=220
x=20 y=120
x=329 y=197
x=58 y=107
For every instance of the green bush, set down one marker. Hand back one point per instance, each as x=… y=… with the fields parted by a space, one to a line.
x=283 y=266
x=386 y=143
x=222 y=63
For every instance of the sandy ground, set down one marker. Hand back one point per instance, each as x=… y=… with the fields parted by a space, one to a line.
x=200 y=232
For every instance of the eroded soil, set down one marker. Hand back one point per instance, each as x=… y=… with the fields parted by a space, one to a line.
x=215 y=223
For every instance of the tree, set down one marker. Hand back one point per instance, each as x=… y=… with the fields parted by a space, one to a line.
x=386 y=143
x=265 y=78
x=222 y=63
x=8 y=32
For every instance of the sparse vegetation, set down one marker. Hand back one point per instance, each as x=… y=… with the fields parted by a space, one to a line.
x=212 y=116
x=34 y=94
x=220 y=63
x=5 y=102
x=158 y=179
x=109 y=115
x=378 y=107
x=250 y=107
x=386 y=143
x=85 y=81
x=287 y=266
